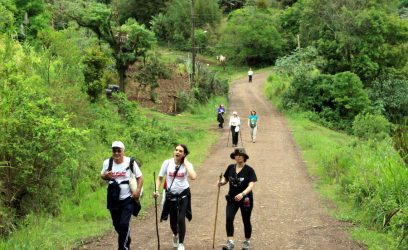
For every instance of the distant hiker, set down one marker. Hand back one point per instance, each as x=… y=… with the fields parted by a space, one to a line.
x=220 y=116
x=178 y=196
x=222 y=59
x=234 y=124
x=253 y=124
x=241 y=178
x=250 y=73
x=116 y=171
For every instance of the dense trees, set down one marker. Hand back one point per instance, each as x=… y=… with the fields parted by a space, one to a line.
x=175 y=23
x=367 y=38
x=251 y=37
x=128 y=41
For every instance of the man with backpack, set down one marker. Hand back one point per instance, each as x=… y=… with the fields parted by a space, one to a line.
x=117 y=171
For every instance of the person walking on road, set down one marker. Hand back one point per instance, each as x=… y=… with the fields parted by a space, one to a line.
x=116 y=171
x=253 y=124
x=250 y=74
x=220 y=116
x=178 y=197
x=241 y=178
x=234 y=123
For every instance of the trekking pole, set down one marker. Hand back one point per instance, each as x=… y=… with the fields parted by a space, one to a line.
x=229 y=132
x=155 y=206
x=240 y=134
x=216 y=211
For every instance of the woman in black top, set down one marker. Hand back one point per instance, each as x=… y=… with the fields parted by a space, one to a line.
x=241 y=178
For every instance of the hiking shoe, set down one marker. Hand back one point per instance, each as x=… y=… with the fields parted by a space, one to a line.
x=246 y=245
x=229 y=245
x=181 y=247
x=175 y=241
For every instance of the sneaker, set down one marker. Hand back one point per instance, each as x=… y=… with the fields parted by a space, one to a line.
x=229 y=245
x=175 y=241
x=181 y=247
x=246 y=245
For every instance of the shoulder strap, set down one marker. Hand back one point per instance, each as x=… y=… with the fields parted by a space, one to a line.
x=110 y=164
x=174 y=177
x=131 y=162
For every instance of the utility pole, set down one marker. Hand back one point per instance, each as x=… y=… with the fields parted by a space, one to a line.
x=298 y=41
x=193 y=53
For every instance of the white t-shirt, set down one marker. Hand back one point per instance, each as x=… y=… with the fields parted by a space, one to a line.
x=180 y=183
x=235 y=121
x=250 y=73
x=120 y=174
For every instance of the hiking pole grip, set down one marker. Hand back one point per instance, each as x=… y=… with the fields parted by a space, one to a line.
x=216 y=212
x=155 y=207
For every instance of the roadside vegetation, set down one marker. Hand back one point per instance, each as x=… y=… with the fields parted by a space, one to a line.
x=340 y=74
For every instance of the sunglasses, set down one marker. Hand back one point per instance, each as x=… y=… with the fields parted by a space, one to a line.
x=116 y=150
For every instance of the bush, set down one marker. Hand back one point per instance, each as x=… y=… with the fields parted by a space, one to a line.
x=371 y=127
x=336 y=98
x=391 y=93
x=251 y=37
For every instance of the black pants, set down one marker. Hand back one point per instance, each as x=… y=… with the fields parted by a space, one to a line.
x=234 y=136
x=232 y=208
x=220 y=120
x=250 y=78
x=178 y=211
x=121 y=214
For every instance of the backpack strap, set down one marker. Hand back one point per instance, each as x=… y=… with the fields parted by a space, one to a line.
x=110 y=164
x=131 y=163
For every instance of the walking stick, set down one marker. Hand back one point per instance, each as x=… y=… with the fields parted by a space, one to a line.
x=229 y=132
x=155 y=206
x=216 y=211
x=240 y=134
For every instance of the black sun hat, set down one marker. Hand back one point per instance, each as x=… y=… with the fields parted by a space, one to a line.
x=239 y=151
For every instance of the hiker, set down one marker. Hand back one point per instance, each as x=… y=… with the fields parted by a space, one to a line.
x=220 y=116
x=250 y=73
x=178 y=197
x=253 y=124
x=234 y=124
x=116 y=171
x=241 y=178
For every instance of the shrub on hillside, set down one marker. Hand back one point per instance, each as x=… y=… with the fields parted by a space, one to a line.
x=391 y=93
x=371 y=127
x=336 y=98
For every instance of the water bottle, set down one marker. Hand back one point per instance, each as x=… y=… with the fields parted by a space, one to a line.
x=247 y=202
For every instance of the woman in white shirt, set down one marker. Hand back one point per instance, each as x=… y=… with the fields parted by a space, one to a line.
x=178 y=196
x=234 y=124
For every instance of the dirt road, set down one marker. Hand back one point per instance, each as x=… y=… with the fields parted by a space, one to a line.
x=288 y=213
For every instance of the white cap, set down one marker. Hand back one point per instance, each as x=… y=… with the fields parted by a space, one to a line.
x=235 y=113
x=118 y=144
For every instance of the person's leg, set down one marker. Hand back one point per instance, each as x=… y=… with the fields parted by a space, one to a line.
x=124 y=227
x=246 y=219
x=181 y=220
x=231 y=210
x=173 y=217
x=233 y=135
x=115 y=215
x=255 y=130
